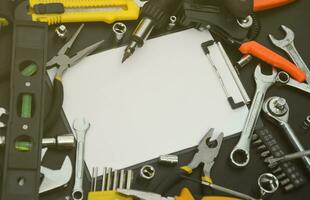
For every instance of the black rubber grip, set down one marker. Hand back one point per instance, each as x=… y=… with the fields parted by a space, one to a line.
x=50 y=8
x=56 y=105
x=170 y=181
x=239 y=8
x=159 y=11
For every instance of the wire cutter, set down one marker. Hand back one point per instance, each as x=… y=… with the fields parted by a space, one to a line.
x=185 y=195
x=63 y=62
x=206 y=155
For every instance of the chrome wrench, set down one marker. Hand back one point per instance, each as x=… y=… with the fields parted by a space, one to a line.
x=277 y=110
x=284 y=78
x=287 y=44
x=80 y=127
x=240 y=155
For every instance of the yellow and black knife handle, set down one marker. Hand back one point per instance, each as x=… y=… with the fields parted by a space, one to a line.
x=67 y=11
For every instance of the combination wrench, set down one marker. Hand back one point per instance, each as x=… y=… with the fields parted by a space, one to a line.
x=277 y=111
x=284 y=78
x=287 y=44
x=80 y=127
x=240 y=155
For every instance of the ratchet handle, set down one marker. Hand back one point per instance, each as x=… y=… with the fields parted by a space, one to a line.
x=260 y=5
x=259 y=51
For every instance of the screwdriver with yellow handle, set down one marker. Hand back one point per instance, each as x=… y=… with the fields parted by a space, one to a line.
x=67 y=11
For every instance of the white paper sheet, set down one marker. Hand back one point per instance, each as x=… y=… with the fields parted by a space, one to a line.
x=161 y=100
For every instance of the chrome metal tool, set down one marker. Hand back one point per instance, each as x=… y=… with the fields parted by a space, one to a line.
x=288 y=157
x=55 y=178
x=287 y=44
x=240 y=155
x=80 y=126
x=284 y=78
x=277 y=110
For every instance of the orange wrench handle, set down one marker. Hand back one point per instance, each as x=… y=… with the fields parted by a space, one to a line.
x=260 y=5
x=259 y=51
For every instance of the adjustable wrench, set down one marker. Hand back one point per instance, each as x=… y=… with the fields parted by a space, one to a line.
x=277 y=110
x=80 y=127
x=287 y=44
x=240 y=155
x=284 y=78
x=55 y=178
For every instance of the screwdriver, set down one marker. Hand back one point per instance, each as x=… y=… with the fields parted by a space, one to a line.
x=155 y=14
x=289 y=157
x=221 y=188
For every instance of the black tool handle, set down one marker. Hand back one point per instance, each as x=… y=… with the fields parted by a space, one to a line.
x=159 y=10
x=170 y=181
x=239 y=8
x=55 y=108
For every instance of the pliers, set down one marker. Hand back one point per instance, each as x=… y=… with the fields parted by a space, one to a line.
x=185 y=195
x=206 y=155
x=63 y=62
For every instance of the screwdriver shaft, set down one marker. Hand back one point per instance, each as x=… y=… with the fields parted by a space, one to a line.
x=290 y=156
x=228 y=191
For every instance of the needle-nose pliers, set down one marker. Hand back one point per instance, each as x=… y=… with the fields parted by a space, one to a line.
x=63 y=62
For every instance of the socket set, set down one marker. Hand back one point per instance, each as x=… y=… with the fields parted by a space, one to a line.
x=111 y=179
x=290 y=177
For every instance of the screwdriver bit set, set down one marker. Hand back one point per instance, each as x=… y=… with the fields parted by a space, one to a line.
x=289 y=175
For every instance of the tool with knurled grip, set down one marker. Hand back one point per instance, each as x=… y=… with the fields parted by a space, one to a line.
x=155 y=14
x=208 y=149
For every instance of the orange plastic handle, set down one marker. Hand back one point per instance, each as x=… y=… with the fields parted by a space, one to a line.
x=259 y=51
x=260 y=5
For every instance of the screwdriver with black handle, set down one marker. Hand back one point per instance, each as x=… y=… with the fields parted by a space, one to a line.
x=155 y=14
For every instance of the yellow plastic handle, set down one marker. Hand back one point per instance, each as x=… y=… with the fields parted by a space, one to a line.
x=107 y=195
x=219 y=198
x=107 y=11
x=185 y=195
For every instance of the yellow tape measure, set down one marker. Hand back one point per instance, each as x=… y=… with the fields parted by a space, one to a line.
x=67 y=11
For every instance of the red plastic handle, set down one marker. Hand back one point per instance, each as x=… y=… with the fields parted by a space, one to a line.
x=260 y=5
x=259 y=51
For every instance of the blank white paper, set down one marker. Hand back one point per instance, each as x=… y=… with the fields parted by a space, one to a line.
x=161 y=100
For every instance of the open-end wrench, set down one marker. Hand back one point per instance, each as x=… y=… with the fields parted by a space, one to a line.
x=284 y=78
x=277 y=110
x=287 y=44
x=240 y=155
x=80 y=127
